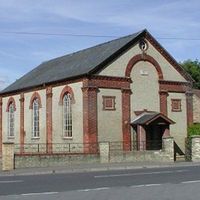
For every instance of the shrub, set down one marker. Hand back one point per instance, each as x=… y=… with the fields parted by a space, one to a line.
x=194 y=129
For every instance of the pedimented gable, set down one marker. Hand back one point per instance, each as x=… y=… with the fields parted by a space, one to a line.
x=160 y=58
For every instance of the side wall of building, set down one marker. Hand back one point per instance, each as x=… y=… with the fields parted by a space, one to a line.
x=57 y=114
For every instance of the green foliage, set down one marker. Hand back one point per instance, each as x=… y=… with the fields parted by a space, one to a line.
x=194 y=129
x=193 y=68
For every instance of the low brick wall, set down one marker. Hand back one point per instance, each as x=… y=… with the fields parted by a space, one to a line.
x=25 y=161
x=140 y=156
x=166 y=154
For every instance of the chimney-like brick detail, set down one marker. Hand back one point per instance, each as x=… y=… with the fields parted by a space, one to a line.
x=22 y=133
x=126 y=128
x=49 y=119
x=1 y=139
x=189 y=104
x=89 y=117
x=163 y=102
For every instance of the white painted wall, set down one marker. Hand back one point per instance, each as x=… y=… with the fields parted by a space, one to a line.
x=178 y=130
x=109 y=122
x=145 y=88
x=118 y=67
x=77 y=115
x=28 y=118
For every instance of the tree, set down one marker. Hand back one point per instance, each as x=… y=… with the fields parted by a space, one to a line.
x=193 y=68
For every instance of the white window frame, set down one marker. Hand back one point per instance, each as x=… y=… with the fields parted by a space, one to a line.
x=67 y=116
x=11 y=120
x=35 y=119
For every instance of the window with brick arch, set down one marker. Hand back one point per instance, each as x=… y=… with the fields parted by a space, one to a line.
x=35 y=130
x=67 y=116
x=11 y=120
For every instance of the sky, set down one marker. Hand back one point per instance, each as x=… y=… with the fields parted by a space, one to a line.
x=60 y=19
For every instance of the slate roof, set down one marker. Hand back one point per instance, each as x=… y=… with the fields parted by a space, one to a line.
x=72 y=65
x=82 y=63
x=148 y=117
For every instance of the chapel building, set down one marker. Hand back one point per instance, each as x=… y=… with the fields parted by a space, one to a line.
x=126 y=90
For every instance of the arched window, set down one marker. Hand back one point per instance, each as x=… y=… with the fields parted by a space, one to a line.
x=11 y=119
x=35 y=125
x=67 y=115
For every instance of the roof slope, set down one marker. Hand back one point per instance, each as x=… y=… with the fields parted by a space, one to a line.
x=71 y=65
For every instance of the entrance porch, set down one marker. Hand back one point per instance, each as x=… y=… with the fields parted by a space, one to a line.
x=150 y=128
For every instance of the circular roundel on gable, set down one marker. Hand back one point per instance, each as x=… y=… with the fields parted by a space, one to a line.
x=143 y=45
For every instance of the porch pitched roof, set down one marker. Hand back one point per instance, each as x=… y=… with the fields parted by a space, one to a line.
x=148 y=117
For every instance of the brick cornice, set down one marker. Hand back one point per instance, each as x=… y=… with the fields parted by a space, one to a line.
x=174 y=86
x=49 y=93
x=111 y=78
x=167 y=56
x=21 y=97
x=175 y=83
x=163 y=92
x=146 y=58
x=107 y=82
x=126 y=90
x=89 y=88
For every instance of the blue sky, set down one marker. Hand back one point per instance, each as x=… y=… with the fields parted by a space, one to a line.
x=21 y=53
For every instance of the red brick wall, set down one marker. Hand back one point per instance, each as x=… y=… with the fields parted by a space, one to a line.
x=22 y=123
x=89 y=116
x=126 y=113
x=49 y=119
x=189 y=102
x=163 y=101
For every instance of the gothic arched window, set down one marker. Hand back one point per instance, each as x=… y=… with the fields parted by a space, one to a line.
x=67 y=115
x=35 y=125
x=11 y=119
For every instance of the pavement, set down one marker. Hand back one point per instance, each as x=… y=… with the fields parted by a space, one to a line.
x=93 y=167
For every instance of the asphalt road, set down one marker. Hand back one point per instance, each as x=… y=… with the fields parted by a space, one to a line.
x=159 y=183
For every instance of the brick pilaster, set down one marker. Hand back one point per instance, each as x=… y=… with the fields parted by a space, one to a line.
x=22 y=133
x=163 y=102
x=89 y=117
x=126 y=128
x=49 y=95
x=189 y=104
x=1 y=137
